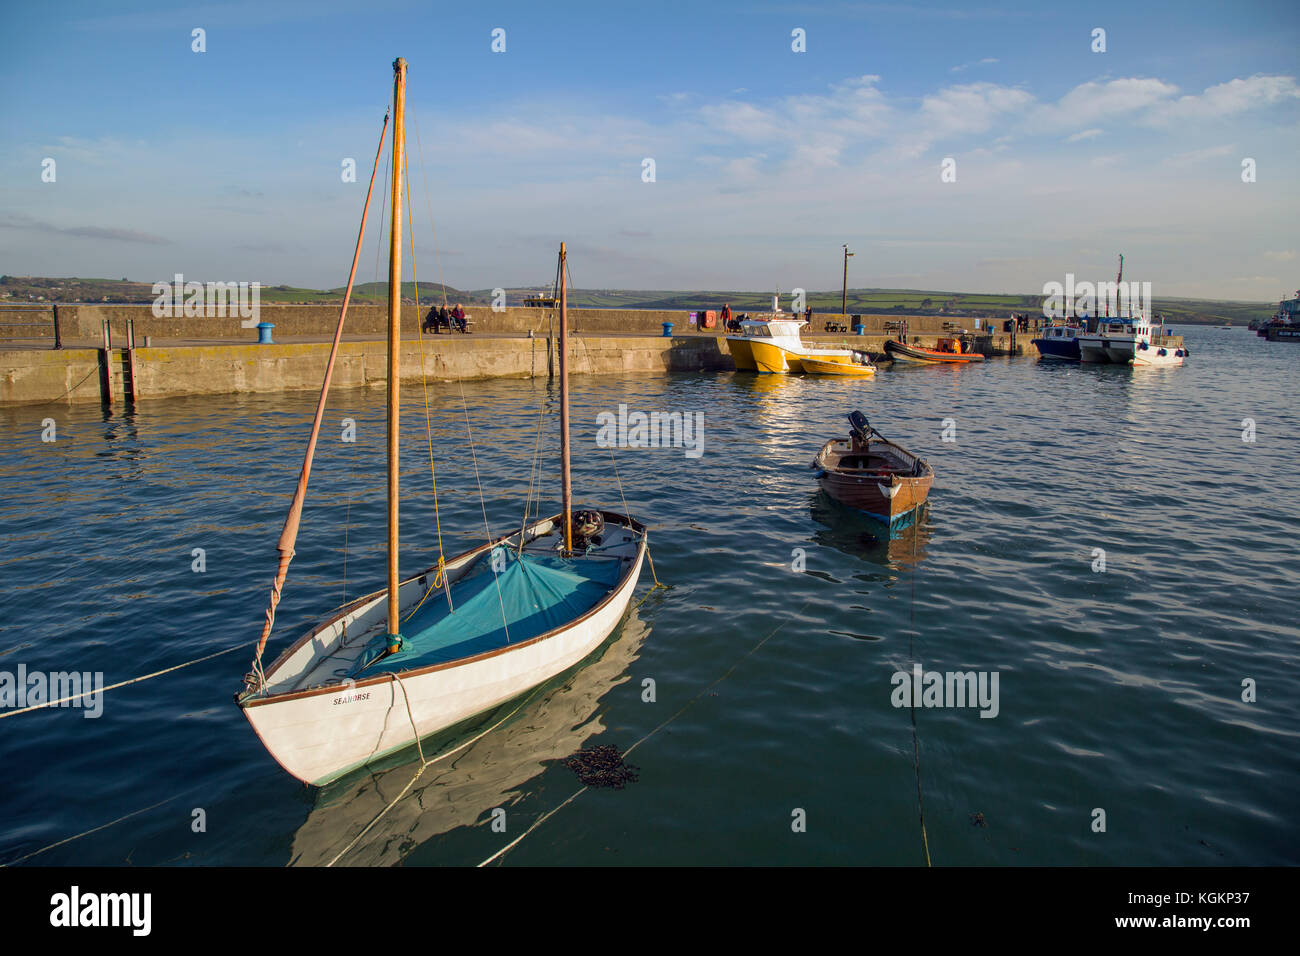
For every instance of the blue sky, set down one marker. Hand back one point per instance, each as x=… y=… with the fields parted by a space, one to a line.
x=225 y=165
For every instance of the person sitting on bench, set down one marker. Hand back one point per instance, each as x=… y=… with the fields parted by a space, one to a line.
x=458 y=319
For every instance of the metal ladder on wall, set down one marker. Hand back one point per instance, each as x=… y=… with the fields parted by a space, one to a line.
x=117 y=376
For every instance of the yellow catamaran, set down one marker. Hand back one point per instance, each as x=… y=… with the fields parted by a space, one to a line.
x=772 y=345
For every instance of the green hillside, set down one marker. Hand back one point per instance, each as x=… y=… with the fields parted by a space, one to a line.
x=901 y=301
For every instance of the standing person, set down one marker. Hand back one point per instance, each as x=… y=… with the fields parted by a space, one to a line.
x=807 y=316
x=726 y=316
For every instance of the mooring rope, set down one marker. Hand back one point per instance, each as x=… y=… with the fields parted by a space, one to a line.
x=133 y=680
x=681 y=710
x=102 y=826
x=423 y=762
x=916 y=742
x=78 y=385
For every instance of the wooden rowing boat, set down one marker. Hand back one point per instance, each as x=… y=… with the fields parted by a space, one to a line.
x=872 y=474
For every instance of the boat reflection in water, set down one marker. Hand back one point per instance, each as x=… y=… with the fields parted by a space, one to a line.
x=856 y=535
x=462 y=789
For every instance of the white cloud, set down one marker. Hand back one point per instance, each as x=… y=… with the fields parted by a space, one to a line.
x=973 y=108
x=1082 y=135
x=1093 y=102
x=1227 y=99
x=1201 y=155
x=966 y=66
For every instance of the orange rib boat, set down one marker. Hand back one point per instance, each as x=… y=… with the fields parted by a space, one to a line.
x=949 y=350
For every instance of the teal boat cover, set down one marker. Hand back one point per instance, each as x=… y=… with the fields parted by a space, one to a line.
x=527 y=597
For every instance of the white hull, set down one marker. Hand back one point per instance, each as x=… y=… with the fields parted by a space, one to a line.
x=1116 y=351
x=1152 y=358
x=321 y=733
x=1130 y=342
x=487 y=774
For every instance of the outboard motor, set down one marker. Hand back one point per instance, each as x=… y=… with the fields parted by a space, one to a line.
x=587 y=526
x=859 y=427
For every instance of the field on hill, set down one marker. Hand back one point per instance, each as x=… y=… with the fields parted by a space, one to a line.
x=903 y=301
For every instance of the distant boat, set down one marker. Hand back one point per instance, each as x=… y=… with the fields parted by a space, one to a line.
x=458 y=638
x=1285 y=324
x=950 y=350
x=873 y=475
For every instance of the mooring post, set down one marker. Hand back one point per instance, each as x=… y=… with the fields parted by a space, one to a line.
x=106 y=368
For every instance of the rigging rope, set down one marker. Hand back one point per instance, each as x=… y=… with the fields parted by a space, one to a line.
x=440 y=578
x=619 y=482
x=468 y=429
x=533 y=471
x=433 y=236
x=289 y=534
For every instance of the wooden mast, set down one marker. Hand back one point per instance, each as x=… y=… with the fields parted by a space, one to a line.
x=566 y=482
x=394 y=345
x=1119 y=277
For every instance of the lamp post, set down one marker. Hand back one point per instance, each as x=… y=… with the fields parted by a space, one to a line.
x=844 y=292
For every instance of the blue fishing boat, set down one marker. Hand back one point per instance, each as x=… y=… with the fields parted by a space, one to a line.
x=1059 y=341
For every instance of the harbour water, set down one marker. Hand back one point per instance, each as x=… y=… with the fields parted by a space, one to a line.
x=1120 y=690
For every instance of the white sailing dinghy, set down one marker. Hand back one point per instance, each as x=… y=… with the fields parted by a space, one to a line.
x=458 y=638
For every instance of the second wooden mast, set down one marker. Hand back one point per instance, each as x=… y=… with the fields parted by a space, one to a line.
x=566 y=482
x=394 y=347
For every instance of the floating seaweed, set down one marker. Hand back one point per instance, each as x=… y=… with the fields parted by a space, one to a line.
x=602 y=766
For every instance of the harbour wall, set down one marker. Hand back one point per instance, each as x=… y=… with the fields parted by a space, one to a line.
x=32 y=376
x=201 y=356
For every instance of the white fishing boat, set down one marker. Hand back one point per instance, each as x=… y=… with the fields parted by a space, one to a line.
x=1131 y=340
x=469 y=633
x=772 y=344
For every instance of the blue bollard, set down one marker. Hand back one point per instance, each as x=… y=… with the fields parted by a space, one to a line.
x=860 y=329
x=668 y=330
x=264 y=333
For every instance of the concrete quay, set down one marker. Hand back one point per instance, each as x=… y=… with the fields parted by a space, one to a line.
x=200 y=356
